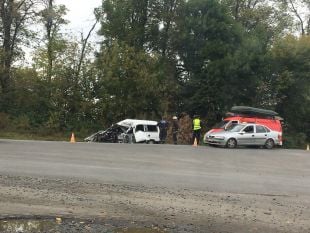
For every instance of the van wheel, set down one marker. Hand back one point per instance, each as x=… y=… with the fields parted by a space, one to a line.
x=269 y=144
x=151 y=142
x=231 y=143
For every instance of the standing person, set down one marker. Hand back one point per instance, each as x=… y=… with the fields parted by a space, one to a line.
x=175 y=130
x=163 y=127
x=196 y=129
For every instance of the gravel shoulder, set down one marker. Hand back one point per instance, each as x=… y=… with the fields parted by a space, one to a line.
x=161 y=188
x=173 y=210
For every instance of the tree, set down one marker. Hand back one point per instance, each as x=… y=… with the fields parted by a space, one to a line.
x=161 y=26
x=64 y=65
x=14 y=16
x=259 y=16
x=84 y=42
x=52 y=18
x=29 y=101
x=125 y=21
x=147 y=27
x=142 y=24
x=291 y=83
x=301 y=11
x=129 y=85
x=207 y=42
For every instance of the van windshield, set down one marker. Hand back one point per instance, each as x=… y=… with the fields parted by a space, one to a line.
x=220 y=125
x=236 y=128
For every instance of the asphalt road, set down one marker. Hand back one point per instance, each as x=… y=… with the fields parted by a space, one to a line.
x=234 y=172
x=279 y=172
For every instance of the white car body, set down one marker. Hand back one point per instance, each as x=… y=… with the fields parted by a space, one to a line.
x=128 y=131
x=239 y=136
x=140 y=131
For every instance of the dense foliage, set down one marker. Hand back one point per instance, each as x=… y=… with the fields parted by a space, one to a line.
x=156 y=58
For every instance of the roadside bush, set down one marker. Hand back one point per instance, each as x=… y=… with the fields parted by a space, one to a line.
x=22 y=123
x=53 y=123
x=185 y=134
x=295 y=140
x=185 y=130
x=5 y=121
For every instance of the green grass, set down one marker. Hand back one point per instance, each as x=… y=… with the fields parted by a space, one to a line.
x=36 y=136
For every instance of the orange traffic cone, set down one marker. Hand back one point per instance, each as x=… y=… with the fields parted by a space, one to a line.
x=72 y=138
x=195 y=142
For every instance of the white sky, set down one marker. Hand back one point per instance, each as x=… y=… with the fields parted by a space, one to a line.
x=80 y=14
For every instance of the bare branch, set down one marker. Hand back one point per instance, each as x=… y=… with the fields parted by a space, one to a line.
x=85 y=41
x=19 y=23
x=298 y=16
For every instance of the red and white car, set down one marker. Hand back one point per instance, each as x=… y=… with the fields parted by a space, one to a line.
x=246 y=115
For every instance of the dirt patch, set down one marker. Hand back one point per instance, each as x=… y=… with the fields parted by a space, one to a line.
x=109 y=208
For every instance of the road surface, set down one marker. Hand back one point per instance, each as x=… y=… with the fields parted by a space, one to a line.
x=177 y=188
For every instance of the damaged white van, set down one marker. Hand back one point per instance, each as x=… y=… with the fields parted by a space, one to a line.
x=128 y=131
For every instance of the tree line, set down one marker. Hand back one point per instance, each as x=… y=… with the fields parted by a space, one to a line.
x=154 y=58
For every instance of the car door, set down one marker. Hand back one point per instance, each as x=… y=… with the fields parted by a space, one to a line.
x=246 y=136
x=261 y=135
x=152 y=133
x=139 y=133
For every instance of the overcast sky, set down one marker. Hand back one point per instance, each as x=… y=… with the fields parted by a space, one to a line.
x=80 y=14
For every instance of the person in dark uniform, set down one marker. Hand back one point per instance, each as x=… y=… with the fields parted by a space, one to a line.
x=163 y=127
x=175 y=129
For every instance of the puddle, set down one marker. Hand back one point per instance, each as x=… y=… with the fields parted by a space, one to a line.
x=139 y=230
x=21 y=226
x=67 y=225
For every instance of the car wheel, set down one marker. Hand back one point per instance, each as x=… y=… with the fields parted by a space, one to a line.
x=269 y=144
x=150 y=142
x=231 y=143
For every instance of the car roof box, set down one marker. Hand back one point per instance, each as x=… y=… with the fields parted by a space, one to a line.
x=250 y=111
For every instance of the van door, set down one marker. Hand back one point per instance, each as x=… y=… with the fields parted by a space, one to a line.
x=139 y=133
x=152 y=133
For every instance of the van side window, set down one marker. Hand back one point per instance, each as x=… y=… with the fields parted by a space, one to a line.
x=140 y=128
x=260 y=129
x=151 y=128
x=249 y=129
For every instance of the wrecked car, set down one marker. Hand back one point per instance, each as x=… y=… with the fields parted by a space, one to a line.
x=111 y=135
x=128 y=131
